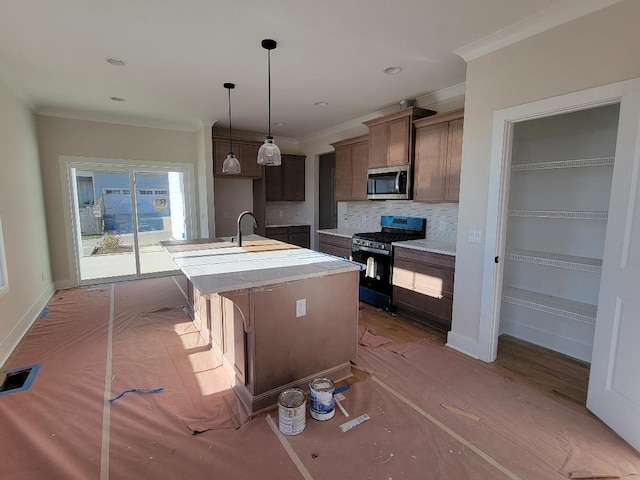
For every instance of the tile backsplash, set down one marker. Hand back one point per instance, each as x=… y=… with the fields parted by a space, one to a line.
x=442 y=218
x=283 y=213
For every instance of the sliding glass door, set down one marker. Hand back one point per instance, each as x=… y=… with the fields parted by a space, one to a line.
x=120 y=216
x=160 y=215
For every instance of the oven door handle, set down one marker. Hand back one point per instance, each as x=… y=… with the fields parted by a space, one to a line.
x=371 y=250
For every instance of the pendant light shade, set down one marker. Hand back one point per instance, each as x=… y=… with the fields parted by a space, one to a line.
x=269 y=153
x=231 y=164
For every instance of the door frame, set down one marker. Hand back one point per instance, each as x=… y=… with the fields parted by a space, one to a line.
x=499 y=177
x=72 y=229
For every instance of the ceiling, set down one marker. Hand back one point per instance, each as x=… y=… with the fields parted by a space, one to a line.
x=178 y=54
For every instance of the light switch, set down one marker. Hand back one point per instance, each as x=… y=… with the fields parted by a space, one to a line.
x=301 y=307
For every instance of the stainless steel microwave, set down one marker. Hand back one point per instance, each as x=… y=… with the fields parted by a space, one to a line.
x=389 y=183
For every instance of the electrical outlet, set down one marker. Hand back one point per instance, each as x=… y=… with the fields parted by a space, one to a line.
x=475 y=236
x=280 y=213
x=227 y=215
x=301 y=307
x=442 y=225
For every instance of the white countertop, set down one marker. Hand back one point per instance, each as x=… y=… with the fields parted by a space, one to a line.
x=339 y=232
x=429 y=246
x=221 y=266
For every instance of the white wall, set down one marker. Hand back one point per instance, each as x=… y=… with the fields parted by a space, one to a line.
x=61 y=136
x=23 y=222
x=597 y=49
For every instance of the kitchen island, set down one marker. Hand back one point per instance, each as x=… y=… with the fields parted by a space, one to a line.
x=274 y=315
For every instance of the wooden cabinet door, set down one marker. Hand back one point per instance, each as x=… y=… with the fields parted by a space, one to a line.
x=277 y=233
x=248 y=156
x=273 y=177
x=299 y=235
x=293 y=177
x=220 y=150
x=343 y=174
x=333 y=245
x=398 y=141
x=431 y=152
x=454 y=161
x=246 y=153
x=359 y=166
x=378 y=144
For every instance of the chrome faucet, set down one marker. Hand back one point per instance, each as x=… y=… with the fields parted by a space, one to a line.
x=255 y=225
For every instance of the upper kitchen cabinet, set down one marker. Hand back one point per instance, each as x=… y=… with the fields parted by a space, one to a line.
x=246 y=152
x=286 y=182
x=352 y=161
x=438 y=158
x=391 y=137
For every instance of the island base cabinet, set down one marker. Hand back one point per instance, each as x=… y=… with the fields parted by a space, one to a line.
x=268 y=342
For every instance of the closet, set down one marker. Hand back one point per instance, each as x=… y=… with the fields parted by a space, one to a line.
x=559 y=188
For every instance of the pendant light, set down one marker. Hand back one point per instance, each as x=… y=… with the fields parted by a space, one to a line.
x=269 y=153
x=231 y=164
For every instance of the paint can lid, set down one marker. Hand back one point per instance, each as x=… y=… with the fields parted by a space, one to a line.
x=322 y=384
x=291 y=398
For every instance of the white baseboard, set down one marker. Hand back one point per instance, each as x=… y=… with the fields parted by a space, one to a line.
x=65 y=284
x=557 y=343
x=463 y=344
x=9 y=344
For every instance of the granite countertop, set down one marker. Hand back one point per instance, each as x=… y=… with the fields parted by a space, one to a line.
x=339 y=232
x=221 y=266
x=429 y=246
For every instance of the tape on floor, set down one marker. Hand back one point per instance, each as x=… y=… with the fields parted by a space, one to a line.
x=492 y=461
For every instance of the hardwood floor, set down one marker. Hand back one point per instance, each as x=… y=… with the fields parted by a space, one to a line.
x=560 y=377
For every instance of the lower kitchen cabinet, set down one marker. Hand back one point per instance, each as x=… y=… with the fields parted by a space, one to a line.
x=423 y=286
x=334 y=245
x=298 y=235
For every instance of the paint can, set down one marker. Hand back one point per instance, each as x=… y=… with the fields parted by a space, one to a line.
x=292 y=410
x=322 y=404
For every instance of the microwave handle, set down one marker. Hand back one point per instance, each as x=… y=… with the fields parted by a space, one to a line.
x=397 y=189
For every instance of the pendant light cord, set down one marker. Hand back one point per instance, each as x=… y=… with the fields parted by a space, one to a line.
x=230 y=141
x=269 y=83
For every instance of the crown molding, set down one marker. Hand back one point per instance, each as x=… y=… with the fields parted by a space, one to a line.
x=190 y=127
x=424 y=101
x=533 y=25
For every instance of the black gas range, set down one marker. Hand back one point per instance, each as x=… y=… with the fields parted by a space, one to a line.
x=374 y=251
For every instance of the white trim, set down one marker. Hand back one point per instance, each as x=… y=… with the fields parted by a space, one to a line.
x=462 y=344
x=4 y=276
x=448 y=93
x=67 y=163
x=499 y=173
x=8 y=345
x=533 y=25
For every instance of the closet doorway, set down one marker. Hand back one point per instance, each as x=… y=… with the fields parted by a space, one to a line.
x=608 y=221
